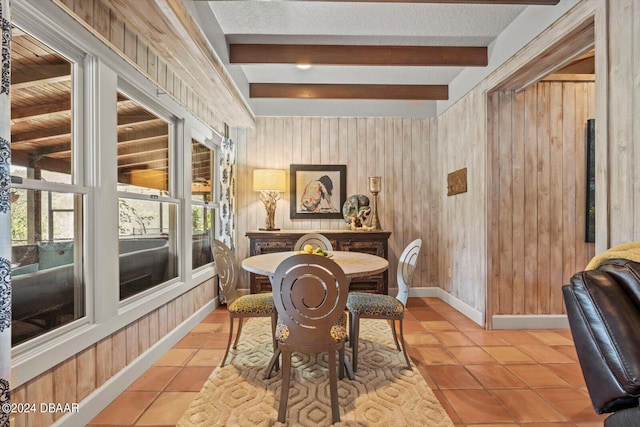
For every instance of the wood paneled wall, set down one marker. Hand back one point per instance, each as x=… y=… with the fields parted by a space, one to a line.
x=461 y=225
x=398 y=149
x=96 y=16
x=623 y=134
x=537 y=194
x=79 y=376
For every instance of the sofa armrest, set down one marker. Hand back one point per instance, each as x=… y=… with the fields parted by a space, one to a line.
x=605 y=324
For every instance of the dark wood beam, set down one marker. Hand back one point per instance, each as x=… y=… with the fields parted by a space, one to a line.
x=515 y=2
x=357 y=55
x=348 y=91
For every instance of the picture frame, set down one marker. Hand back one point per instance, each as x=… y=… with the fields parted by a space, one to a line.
x=317 y=191
x=590 y=187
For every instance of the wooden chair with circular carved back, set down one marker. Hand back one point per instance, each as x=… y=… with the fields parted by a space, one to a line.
x=254 y=305
x=314 y=239
x=310 y=294
x=376 y=306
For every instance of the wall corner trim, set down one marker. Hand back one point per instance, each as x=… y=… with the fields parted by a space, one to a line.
x=472 y=313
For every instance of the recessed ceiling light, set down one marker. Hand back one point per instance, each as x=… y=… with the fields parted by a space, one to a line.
x=303 y=66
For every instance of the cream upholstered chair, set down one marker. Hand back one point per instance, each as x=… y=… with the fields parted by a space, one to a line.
x=315 y=240
x=311 y=318
x=254 y=305
x=375 y=306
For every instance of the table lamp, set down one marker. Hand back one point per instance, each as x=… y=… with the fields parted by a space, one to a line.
x=270 y=183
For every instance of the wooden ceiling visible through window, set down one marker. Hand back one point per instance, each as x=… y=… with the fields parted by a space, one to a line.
x=41 y=119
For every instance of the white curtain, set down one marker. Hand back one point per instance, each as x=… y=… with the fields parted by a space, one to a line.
x=5 y=215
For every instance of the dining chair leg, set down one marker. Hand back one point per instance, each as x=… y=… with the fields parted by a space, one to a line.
x=354 y=347
x=340 y=362
x=333 y=387
x=395 y=334
x=226 y=353
x=273 y=362
x=274 y=321
x=350 y=329
x=404 y=347
x=284 y=392
x=240 y=322
x=344 y=360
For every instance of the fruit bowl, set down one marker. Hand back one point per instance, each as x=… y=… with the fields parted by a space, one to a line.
x=308 y=249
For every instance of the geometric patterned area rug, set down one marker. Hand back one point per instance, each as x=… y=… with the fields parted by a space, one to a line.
x=382 y=393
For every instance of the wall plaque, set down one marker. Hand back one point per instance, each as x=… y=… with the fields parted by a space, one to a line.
x=457 y=182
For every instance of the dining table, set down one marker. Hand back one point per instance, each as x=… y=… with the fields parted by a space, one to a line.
x=354 y=264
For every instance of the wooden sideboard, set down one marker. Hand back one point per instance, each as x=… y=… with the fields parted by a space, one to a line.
x=373 y=242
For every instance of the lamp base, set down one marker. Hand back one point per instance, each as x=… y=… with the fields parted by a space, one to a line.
x=269 y=229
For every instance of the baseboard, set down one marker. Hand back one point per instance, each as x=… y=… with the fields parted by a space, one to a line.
x=532 y=321
x=101 y=397
x=473 y=314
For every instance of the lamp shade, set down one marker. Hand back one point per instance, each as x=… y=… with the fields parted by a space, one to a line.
x=269 y=180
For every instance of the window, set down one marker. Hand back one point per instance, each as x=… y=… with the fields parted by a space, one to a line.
x=147 y=215
x=202 y=208
x=47 y=202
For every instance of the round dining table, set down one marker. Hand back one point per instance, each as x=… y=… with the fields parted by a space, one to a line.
x=354 y=264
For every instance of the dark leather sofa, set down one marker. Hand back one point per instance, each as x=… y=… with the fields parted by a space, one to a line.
x=603 y=307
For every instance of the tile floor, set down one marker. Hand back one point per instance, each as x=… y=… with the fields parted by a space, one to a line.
x=482 y=378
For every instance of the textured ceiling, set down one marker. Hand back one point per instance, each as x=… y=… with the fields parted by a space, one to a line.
x=347 y=23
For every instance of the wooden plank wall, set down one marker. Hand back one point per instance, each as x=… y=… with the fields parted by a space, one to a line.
x=624 y=121
x=398 y=149
x=461 y=228
x=105 y=24
x=537 y=194
x=77 y=377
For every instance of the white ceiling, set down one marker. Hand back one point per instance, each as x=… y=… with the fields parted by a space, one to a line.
x=347 y=23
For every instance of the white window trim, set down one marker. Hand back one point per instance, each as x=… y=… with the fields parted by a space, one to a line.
x=105 y=315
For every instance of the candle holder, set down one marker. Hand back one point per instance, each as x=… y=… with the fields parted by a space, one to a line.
x=375 y=186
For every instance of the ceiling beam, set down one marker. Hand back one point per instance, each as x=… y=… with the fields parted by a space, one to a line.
x=357 y=55
x=41 y=74
x=348 y=91
x=40 y=109
x=516 y=2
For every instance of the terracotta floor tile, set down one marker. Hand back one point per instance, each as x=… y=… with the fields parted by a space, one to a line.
x=508 y=354
x=537 y=376
x=154 y=379
x=426 y=314
x=436 y=356
x=219 y=315
x=471 y=355
x=218 y=340
x=476 y=406
x=495 y=376
x=526 y=406
x=421 y=339
x=452 y=377
x=545 y=354
x=551 y=337
x=567 y=350
x=176 y=357
x=412 y=327
x=167 y=409
x=208 y=357
x=418 y=302
x=192 y=340
x=125 y=409
x=571 y=373
x=447 y=406
x=191 y=378
x=485 y=338
x=453 y=339
x=515 y=337
x=438 y=325
x=573 y=404
x=206 y=328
